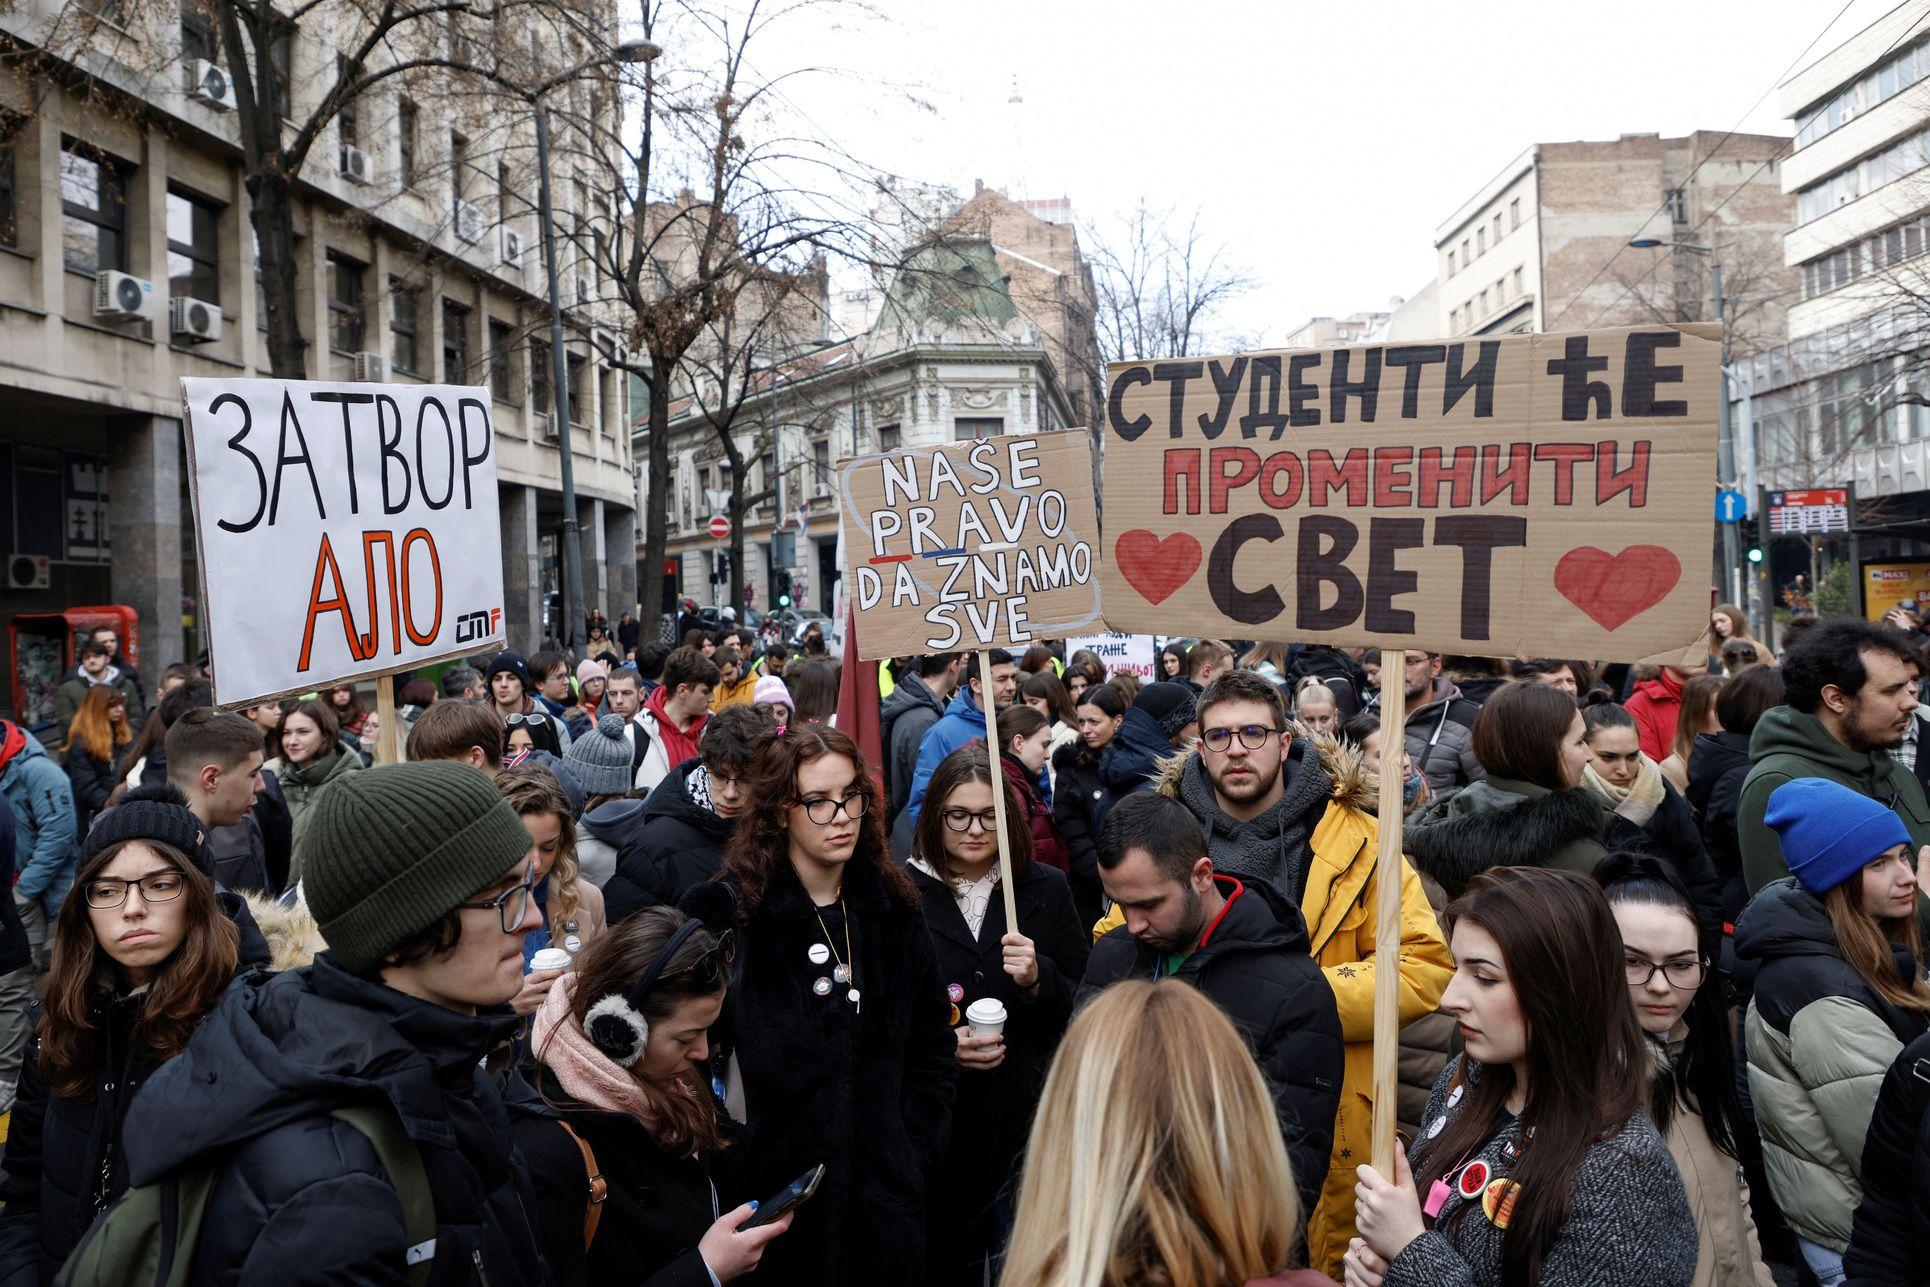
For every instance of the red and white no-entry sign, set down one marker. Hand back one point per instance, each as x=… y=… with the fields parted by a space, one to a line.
x=720 y=528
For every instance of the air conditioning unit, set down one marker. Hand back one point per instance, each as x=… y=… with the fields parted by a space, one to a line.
x=549 y=427
x=194 y=320
x=370 y=367
x=123 y=297
x=512 y=248
x=469 y=222
x=585 y=290
x=27 y=571
x=356 y=165
x=207 y=83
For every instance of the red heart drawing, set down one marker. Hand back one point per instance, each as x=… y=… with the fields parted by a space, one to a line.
x=1613 y=589
x=1154 y=566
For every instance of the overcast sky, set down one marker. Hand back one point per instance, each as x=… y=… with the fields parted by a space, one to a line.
x=1322 y=142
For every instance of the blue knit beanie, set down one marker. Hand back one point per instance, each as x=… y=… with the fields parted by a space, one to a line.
x=1830 y=832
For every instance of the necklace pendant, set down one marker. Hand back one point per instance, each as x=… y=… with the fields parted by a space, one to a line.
x=852 y=997
x=842 y=974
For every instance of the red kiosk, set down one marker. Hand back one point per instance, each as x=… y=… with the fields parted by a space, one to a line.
x=45 y=646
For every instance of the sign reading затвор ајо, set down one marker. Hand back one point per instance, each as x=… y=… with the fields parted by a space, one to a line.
x=1534 y=495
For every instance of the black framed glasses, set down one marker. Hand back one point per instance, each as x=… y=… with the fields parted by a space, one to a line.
x=1684 y=975
x=1252 y=737
x=962 y=819
x=821 y=810
x=511 y=905
x=107 y=892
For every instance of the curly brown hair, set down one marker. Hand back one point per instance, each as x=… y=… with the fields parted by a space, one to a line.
x=760 y=843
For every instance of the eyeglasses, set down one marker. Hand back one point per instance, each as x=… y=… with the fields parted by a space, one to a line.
x=156 y=887
x=1252 y=737
x=511 y=905
x=821 y=810
x=1685 y=975
x=532 y=717
x=962 y=819
x=710 y=967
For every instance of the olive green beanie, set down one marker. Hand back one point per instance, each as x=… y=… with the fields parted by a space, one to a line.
x=390 y=852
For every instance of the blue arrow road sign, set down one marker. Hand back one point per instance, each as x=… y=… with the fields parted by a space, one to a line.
x=1730 y=506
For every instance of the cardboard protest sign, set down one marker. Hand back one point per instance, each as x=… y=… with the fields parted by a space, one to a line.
x=343 y=530
x=1541 y=495
x=1123 y=654
x=985 y=544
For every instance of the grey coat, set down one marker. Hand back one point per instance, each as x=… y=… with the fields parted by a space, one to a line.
x=903 y=720
x=1627 y=1225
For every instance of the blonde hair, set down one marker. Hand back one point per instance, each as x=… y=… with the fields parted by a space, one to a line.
x=532 y=789
x=1155 y=1158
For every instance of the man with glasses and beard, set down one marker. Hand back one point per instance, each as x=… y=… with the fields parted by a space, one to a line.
x=1849 y=693
x=1240 y=943
x=1295 y=818
x=418 y=878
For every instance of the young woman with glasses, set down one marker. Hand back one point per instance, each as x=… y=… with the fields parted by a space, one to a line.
x=1033 y=971
x=1667 y=953
x=141 y=954
x=836 y=1046
x=615 y=1122
x=530 y=731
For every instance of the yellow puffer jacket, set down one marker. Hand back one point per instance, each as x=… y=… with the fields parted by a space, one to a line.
x=737 y=694
x=1338 y=905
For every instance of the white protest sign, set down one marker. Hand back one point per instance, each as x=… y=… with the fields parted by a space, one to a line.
x=1123 y=654
x=343 y=530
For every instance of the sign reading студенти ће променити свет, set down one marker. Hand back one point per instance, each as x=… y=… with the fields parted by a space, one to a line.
x=1526 y=495
x=985 y=544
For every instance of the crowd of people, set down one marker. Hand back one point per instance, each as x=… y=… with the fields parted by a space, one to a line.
x=629 y=942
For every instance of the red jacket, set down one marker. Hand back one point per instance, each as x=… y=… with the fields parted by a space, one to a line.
x=1657 y=706
x=1048 y=846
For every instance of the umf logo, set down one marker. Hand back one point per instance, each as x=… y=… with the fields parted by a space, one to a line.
x=478 y=624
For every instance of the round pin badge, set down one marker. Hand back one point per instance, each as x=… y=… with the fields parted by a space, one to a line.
x=573 y=944
x=1498 y=1202
x=821 y=986
x=818 y=953
x=955 y=1016
x=1436 y=1126
x=955 y=992
x=842 y=974
x=1473 y=1179
x=1454 y=1096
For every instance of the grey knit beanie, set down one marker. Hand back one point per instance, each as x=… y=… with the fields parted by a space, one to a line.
x=601 y=758
x=388 y=853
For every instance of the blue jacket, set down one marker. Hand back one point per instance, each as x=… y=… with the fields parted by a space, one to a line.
x=961 y=723
x=43 y=815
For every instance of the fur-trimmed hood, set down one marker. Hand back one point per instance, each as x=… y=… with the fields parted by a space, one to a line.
x=1500 y=823
x=294 y=939
x=1355 y=785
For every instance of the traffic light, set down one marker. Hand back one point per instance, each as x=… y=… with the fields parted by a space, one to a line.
x=783 y=589
x=1755 y=554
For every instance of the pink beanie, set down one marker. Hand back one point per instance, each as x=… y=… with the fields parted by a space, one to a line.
x=586 y=670
x=771 y=689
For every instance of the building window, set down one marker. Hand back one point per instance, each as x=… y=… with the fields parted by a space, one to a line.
x=573 y=371
x=1514 y=213
x=1450 y=261
x=1466 y=257
x=9 y=203
x=405 y=311
x=1905 y=156
x=1497 y=227
x=1484 y=305
x=966 y=428
x=499 y=371
x=194 y=265
x=347 y=299
x=1500 y=293
x=1480 y=241
x=539 y=377
x=281 y=51
x=821 y=466
x=890 y=438
x=502 y=193
x=455 y=343
x=348 y=117
x=405 y=127
x=93 y=211
x=198 y=39
x=458 y=163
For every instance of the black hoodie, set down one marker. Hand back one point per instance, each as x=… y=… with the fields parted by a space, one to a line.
x=301 y=1197
x=1254 y=963
x=1718 y=765
x=677 y=844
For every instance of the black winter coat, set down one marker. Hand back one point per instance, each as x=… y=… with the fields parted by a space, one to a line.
x=1671 y=835
x=656 y=1208
x=1718 y=763
x=903 y=720
x=1254 y=963
x=93 y=781
x=1130 y=761
x=867 y=1090
x=680 y=844
x=994 y=1109
x=64 y=1162
x=14 y=951
x=253 y=854
x=301 y=1198
x=1076 y=798
x=1893 y=1220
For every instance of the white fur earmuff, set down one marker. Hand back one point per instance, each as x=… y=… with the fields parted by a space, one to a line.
x=617 y=1029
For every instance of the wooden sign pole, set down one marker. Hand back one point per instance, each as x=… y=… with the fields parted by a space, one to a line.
x=986 y=701
x=385 y=737
x=1387 y=926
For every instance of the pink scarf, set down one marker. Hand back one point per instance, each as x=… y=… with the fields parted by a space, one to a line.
x=581 y=1069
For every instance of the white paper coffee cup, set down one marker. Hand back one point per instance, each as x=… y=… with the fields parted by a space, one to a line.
x=985 y=1017
x=550 y=958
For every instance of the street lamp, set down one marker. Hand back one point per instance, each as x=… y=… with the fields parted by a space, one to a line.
x=630 y=51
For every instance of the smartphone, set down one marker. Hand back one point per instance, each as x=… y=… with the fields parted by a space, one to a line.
x=789 y=1198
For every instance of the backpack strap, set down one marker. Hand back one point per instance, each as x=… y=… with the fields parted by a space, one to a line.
x=599 y=1187
x=402 y=1160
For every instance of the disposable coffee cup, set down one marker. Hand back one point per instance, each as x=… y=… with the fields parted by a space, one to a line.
x=985 y=1017
x=552 y=958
